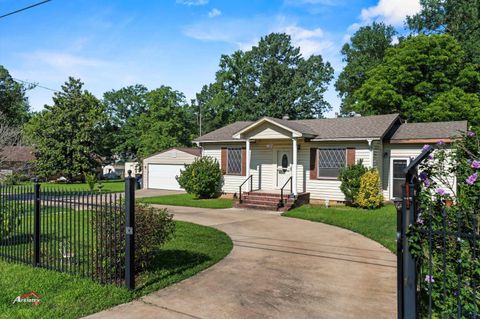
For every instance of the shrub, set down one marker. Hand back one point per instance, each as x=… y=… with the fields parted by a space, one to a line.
x=91 y=180
x=369 y=195
x=202 y=178
x=153 y=228
x=11 y=179
x=9 y=222
x=350 y=178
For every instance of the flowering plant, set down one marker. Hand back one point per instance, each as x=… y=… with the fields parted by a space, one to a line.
x=443 y=239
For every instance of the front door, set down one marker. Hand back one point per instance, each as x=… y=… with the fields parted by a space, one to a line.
x=284 y=167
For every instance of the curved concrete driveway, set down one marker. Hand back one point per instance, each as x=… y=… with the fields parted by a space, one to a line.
x=279 y=268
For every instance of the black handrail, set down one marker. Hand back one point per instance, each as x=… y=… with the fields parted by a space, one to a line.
x=281 y=202
x=240 y=187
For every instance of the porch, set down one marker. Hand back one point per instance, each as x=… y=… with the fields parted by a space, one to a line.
x=272 y=167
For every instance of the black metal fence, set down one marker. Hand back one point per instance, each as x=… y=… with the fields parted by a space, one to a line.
x=442 y=281
x=77 y=232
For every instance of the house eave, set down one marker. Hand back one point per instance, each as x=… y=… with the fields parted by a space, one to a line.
x=257 y=123
x=345 y=139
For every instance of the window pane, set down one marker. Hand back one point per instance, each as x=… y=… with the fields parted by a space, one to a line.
x=398 y=167
x=397 y=187
x=234 y=164
x=330 y=160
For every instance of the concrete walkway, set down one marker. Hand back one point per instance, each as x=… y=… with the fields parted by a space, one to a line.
x=279 y=268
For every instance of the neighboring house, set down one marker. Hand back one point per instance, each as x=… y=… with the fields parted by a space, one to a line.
x=161 y=169
x=16 y=159
x=120 y=169
x=306 y=155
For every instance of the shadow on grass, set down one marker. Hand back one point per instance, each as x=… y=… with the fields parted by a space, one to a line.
x=168 y=263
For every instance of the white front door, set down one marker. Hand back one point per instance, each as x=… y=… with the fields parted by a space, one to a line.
x=284 y=167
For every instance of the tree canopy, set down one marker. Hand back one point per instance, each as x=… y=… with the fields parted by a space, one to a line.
x=459 y=18
x=422 y=76
x=67 y=133
x=13 y=101
x=271 y=79
x=365 y=51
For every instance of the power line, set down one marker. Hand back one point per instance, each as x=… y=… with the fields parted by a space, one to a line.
x=23 y=9
x=36 y=85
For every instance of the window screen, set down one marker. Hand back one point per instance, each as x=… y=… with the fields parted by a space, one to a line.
x=330 y=160
x=234 y=164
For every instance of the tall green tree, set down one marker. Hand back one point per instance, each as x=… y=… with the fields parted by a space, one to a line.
x=365 y=51
x=168 y=122
x=423 y=78
x=459 y=18
x=124 y=107
x=13 y=101
x=271 y=79
x=67 y=134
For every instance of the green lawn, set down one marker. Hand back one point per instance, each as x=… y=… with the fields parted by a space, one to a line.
x=188 y=200
x=108 y=186
x=193 y=249
x=379 y=224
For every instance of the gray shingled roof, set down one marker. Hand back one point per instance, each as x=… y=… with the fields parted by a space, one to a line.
x=430 y=130
x=321 y=129
x=225 y=133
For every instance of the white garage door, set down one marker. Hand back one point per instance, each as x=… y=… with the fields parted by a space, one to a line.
x=162 y=176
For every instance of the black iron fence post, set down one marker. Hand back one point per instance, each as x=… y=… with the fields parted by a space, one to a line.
x=36 y=225
x=129 y=231
x=399 y=207
x=409 y=264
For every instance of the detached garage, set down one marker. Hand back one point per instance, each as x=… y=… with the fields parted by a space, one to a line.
x=160 y=170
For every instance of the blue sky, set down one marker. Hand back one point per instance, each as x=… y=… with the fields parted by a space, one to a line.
x=110 y=44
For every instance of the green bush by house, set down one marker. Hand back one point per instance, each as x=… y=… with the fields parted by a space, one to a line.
x=202 y=178
x=369 y=195
x=350 y=177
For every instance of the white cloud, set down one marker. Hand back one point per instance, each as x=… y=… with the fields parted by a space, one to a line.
x=391 y=12
x=193 y=2
x=214 y=13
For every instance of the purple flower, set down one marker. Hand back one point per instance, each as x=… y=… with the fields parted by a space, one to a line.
x=429 y=279
x=440 y=191
x=430 y=156
x=420 y=219
x=423 y=176
x=470 y=134
x=472 y=179
x=425 y=147
x=440 y=142
x=427 y=182
x=476 y=164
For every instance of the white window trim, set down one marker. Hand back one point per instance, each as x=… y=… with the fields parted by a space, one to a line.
x=318 y=162
x=390 y=186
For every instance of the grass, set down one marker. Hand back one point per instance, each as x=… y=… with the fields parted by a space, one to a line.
x=379 y=224
x=193 y=249
x=188 y=200
x=108 y=186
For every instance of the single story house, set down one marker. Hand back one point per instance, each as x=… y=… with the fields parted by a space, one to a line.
x=306 y=155
x=120 y=169
x=16 y=159
x=161 y=169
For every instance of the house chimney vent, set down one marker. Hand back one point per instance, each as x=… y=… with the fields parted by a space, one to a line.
x=285 y=117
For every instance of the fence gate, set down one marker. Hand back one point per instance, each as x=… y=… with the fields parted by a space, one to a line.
x=443 y=281
x=77 y=232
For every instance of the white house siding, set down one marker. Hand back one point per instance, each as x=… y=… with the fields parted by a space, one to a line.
x=231 y=182
x=264 y=163
x=170 y=157
x=398 y=151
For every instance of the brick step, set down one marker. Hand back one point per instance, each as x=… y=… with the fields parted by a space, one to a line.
x=271 y=196
x=264 y=202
